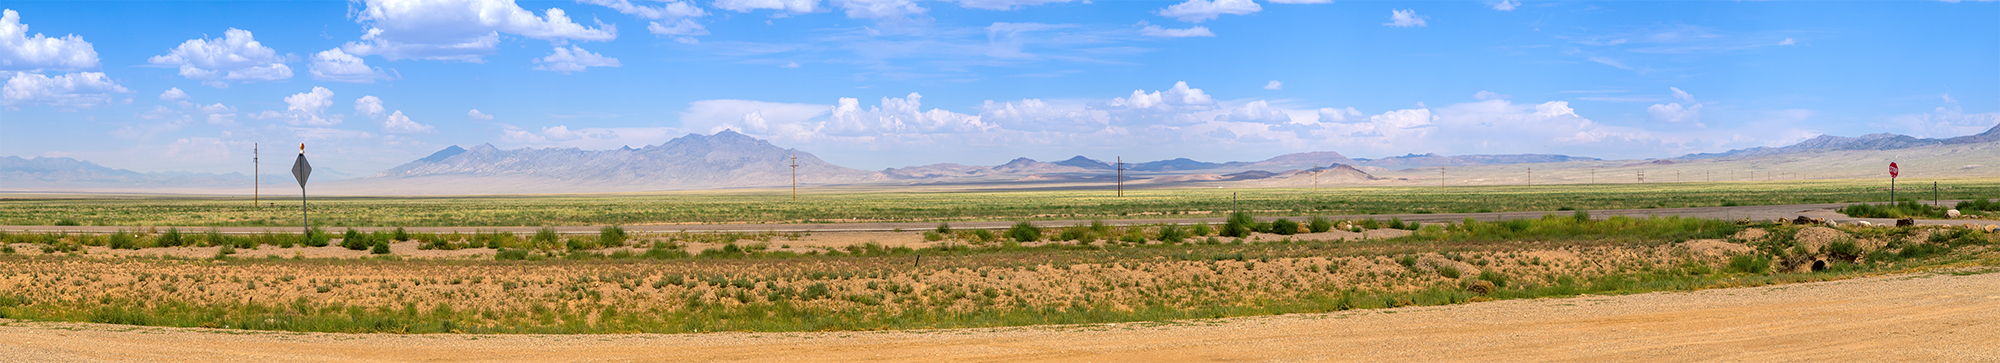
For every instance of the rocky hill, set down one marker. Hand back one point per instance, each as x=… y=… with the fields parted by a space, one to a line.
x=1882 y=141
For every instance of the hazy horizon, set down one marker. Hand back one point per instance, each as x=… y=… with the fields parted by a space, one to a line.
x=871 y=84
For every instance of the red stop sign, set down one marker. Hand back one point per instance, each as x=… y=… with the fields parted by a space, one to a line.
x=1893 y=171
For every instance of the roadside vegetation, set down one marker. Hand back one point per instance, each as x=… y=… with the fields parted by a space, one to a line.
x=846 y=207
x=1976 y=208
x=618 y=282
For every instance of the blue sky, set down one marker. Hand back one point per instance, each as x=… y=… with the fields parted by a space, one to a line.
x=189 y=86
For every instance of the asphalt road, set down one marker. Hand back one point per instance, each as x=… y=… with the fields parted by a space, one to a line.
x=1755 y=212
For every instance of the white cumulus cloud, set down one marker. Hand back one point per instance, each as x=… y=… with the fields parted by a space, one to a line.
x=1196 y=11
x=1002 y=4
x=897 y=115
x=1675 y=113
x=879 y=9
x=1506 y=5
x=236 y=56
x=174 y=94
x=305 y=108
x=476 y=115
x=1274 y=85
x=369 y=106
x=671 y=19
x=20 y=52
x=1158 y=31
x=1301 y=1
x=397 y=123
x=788 y=6
x=573 y=59
x=460 y=30
x=1405 y=18
x=73 y=90
x=338 y=66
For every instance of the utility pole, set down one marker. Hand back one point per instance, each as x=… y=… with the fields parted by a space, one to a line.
x=795 y=177
x=1316 y=178
x=256 y=168
x=1121 y=176
x=1440 y=178
x=1642 y=177
x=1531 y=176
x=1593 y=176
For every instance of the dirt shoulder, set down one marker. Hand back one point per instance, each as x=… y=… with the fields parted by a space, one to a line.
x=1917 y=317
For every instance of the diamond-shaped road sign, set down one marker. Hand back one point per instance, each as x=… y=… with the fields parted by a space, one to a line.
x=301 y=170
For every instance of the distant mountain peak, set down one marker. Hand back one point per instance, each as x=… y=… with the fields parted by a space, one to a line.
x=447 y=153
x=1083 y=162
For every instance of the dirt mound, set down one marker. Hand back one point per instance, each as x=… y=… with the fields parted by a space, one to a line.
x=1751 y=234
x=1715 y=247
x=1816 y=238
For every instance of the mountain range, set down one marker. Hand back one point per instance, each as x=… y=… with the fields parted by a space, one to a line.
x=1881 y=141
x=728 y=159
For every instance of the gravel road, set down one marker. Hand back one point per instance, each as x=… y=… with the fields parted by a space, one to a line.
x=1924 y=317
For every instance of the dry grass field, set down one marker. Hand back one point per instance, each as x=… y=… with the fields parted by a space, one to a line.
x=676 y=285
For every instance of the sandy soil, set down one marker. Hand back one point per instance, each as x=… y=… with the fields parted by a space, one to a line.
x=1920 y=317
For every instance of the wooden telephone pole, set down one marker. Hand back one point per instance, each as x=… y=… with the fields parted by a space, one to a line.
x=256 y=168
x=1121 y=176
x=795 y=177
x=1316 y=172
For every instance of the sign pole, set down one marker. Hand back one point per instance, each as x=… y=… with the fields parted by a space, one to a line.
x=1893 y=172
x=302 y=170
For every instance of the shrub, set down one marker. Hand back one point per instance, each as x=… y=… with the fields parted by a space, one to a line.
x=1098 y=227
x=984 y=235
x=1901 y=209
x=170 y=239
x=611 y=236
x=1024 y=232
x=660 y=253
x=1284 y=227
x=1078 y=233
x=544 y=237
x=1202 y=229
x=66 y=222
x=1750 y=263
x=355 y=240
x=1844 y=249
x=507 y=254
x=1319 y=224
x=400 y=235
x=1239 y=225
x=122 y=240
x=933 y=236
x=1396 y=223
x=1172 y=234
x=317 y=238
x=1447 y=271
x=381 y=248
x=944 y=228
x=1498 y=280
x=1965 y=206
x=1370 y=223
x=1581 y=216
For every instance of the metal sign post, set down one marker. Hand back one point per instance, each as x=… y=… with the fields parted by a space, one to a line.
x=1893 y=172
x=301 y=170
